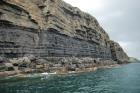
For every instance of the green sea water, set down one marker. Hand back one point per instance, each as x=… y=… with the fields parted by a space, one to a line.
x=123 y=79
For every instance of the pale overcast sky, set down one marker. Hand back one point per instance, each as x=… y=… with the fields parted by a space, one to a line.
x=120 y=19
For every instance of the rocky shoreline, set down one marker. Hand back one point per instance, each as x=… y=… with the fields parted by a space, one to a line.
x=32 y=64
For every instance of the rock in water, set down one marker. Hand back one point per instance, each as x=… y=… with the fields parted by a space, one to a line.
x=55 y=31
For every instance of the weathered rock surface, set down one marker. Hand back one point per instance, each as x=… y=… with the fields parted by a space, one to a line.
x=118 y=53
x=52 y=28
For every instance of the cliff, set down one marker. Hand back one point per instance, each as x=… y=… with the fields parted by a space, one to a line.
x=53 y=29
x=118 y=53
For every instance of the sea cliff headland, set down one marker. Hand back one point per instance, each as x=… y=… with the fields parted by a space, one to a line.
x=39 y=36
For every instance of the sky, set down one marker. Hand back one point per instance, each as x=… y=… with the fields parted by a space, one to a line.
x=120 y=19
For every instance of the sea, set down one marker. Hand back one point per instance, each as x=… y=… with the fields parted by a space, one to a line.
x=120 y=79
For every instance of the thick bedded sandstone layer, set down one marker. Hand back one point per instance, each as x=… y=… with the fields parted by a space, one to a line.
x=53 y=28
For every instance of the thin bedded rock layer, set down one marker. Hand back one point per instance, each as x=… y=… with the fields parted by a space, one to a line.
x=53 y=28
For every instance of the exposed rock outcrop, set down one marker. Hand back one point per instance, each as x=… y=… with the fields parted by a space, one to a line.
x=118 y=53
x=52 y=28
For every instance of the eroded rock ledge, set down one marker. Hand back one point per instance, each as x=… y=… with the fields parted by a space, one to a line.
x=53 y=29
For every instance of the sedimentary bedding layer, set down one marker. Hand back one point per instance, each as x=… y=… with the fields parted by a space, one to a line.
x=53 y=28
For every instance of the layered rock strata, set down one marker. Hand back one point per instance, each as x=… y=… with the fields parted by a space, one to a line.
x=118 y=53
x=53 y=28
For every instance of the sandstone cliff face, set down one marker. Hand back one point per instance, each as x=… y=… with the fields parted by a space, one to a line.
x=73 y=22
x=51 y=28
x=22 y=13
